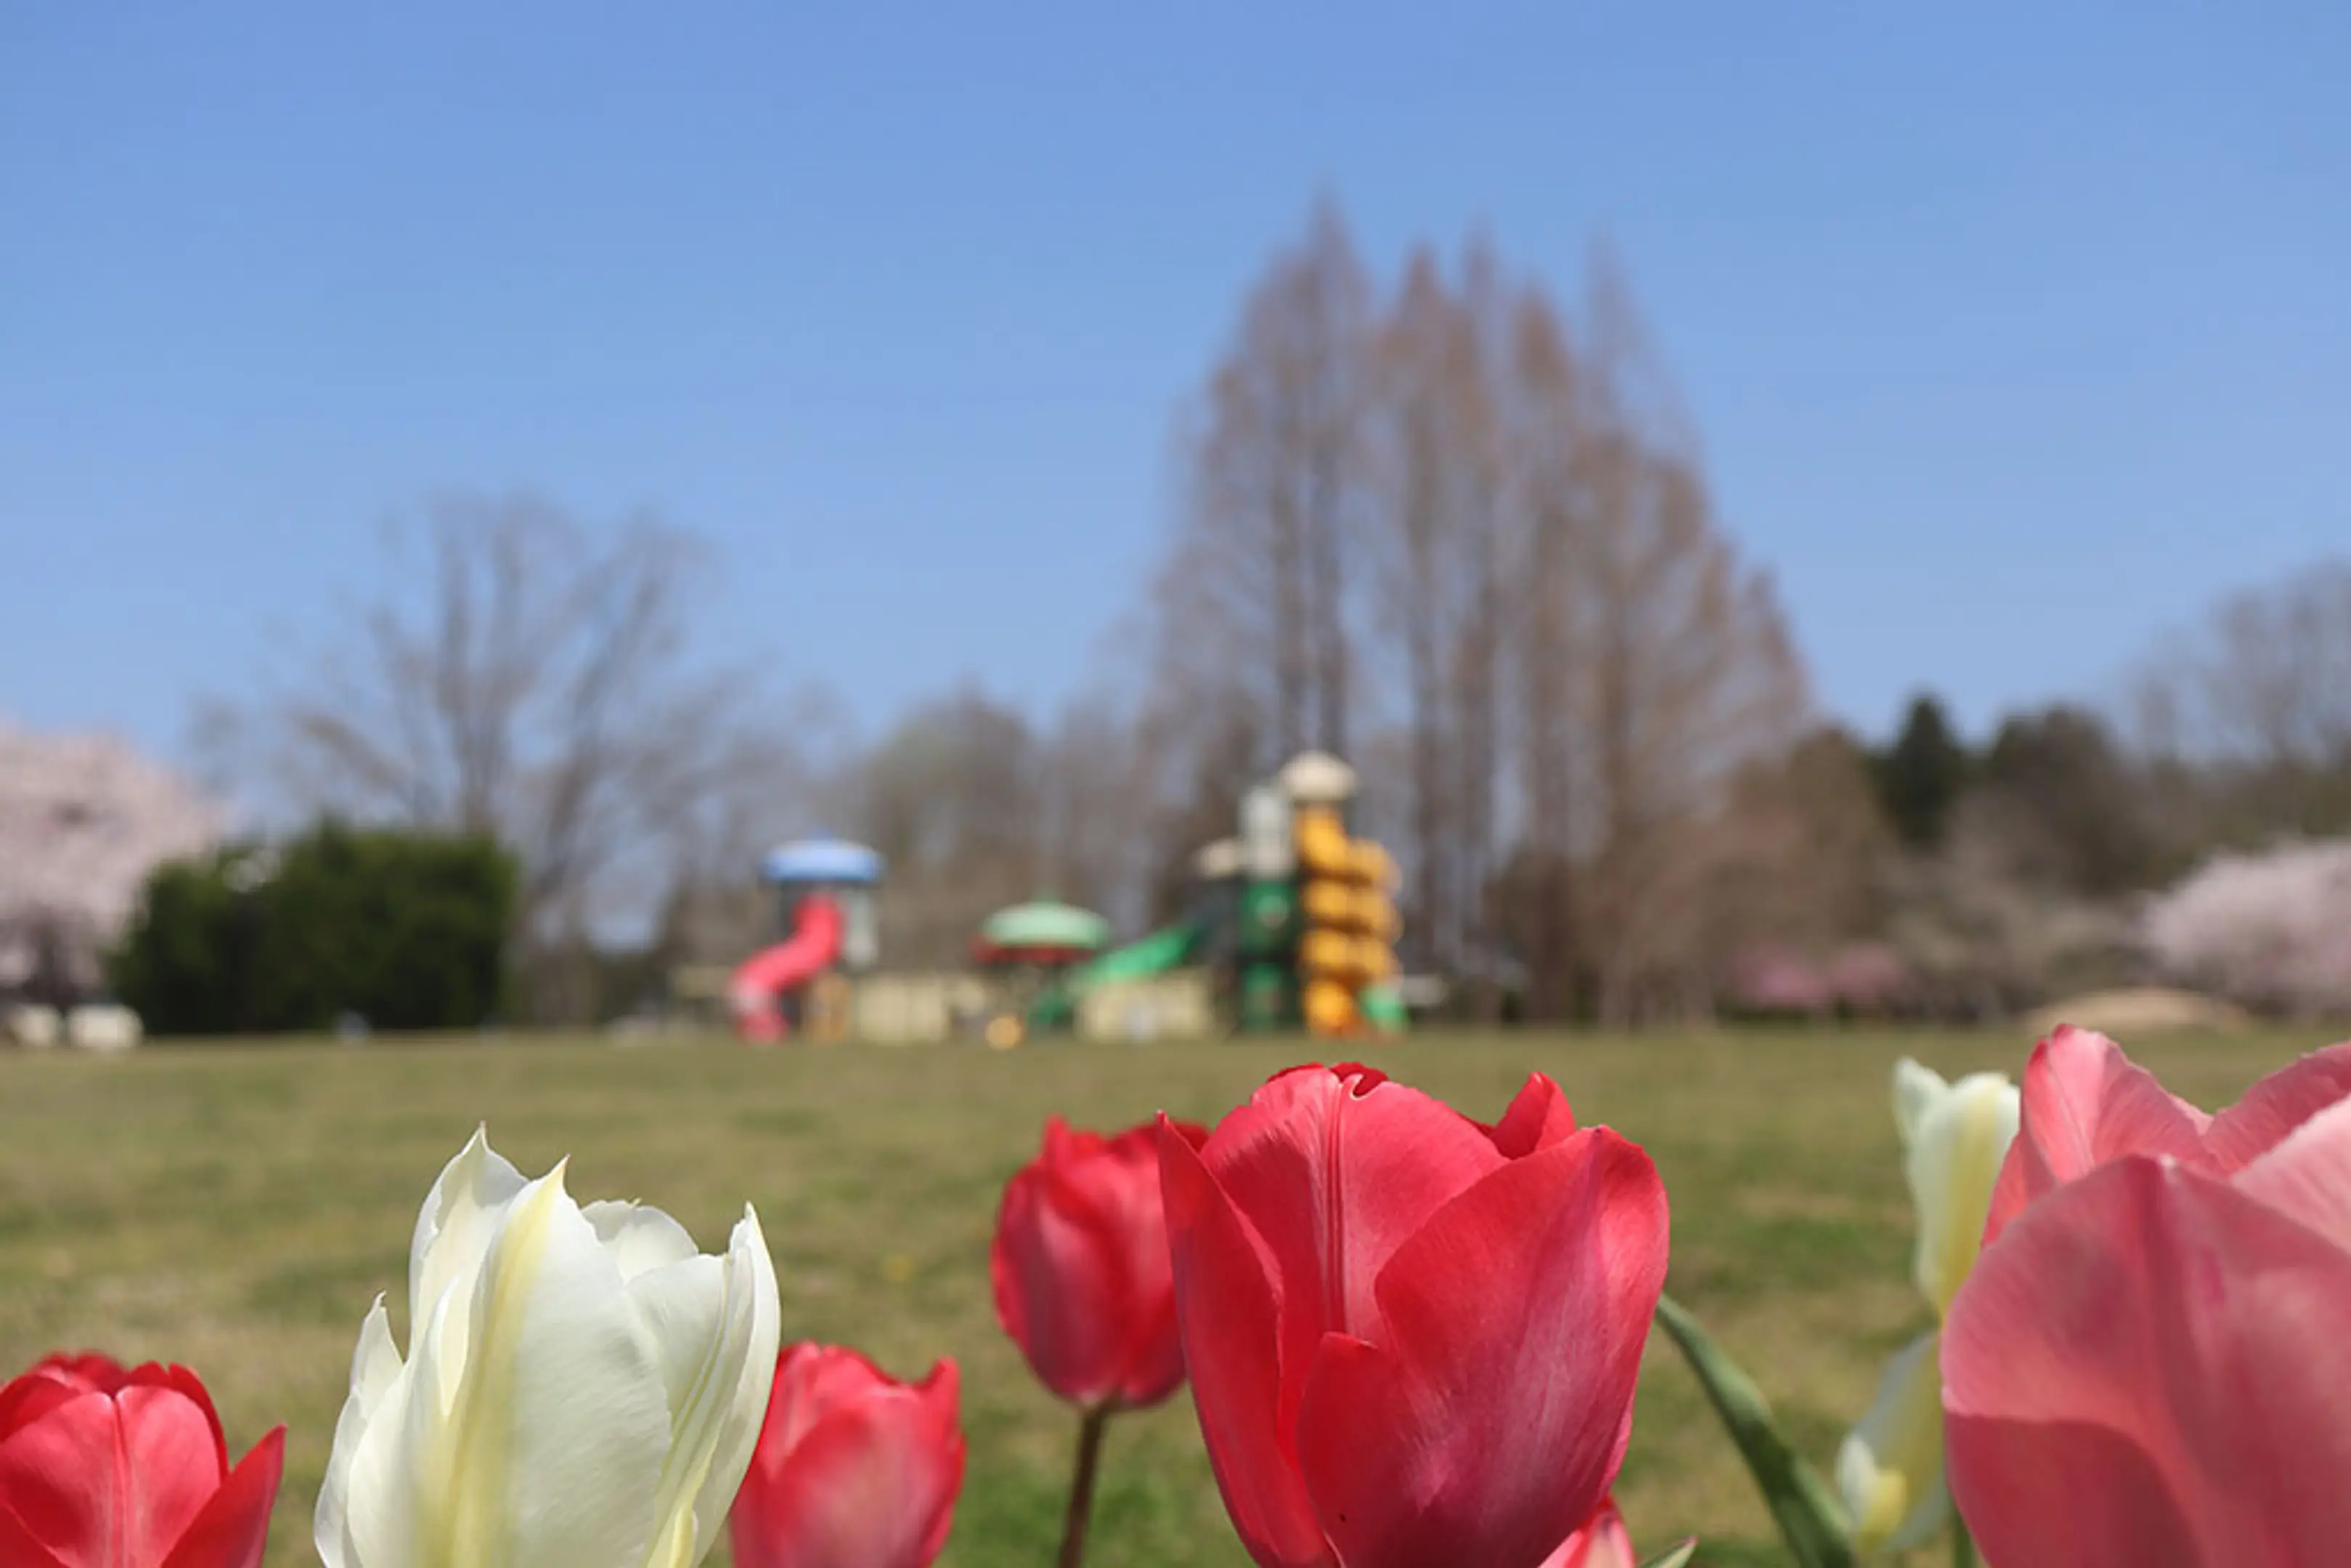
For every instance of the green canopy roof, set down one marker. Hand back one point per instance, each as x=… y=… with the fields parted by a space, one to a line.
x=1045 y=924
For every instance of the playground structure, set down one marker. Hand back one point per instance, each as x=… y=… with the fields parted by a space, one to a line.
x=1290 y=924
x=1317 y=914
x=1030 y=949
x=826 y=890
x=1293 y=923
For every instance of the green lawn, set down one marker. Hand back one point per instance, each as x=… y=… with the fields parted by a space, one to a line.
x=237 y=1208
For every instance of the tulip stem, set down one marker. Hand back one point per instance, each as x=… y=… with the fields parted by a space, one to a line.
x=1082 y=1486
x=1963 y=1546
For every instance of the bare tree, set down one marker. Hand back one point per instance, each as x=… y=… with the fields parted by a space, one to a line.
x=1691 y=674
x=718 y=908
x=1276 y=487
x=950 y=797
x=1552 y=550
x=1794 y=857
x=1538 y=607
x=1095 y=818
x=1193 y=802
x=1476 y=374
x=2257 y=702
x=526 y=675
x=1253 y=633
x=1426 y=369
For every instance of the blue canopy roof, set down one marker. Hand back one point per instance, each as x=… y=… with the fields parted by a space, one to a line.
x=822 y=860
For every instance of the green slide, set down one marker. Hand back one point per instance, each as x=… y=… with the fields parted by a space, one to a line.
x=1383 y=1008
x=1156 y=953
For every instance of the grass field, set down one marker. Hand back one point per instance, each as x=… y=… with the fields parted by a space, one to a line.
x=237 y=1208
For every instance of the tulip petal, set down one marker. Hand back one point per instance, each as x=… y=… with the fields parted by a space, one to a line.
x=20 y=1549
x=811 y=1379
x=1501 y=1398
x=59 y=1478
x=553 y=1441
x=102 y=1477
x=941 y=1394
x=2084 y=1103
x=715 y=1421
x=173 y=1457
x=683 y=1306
x=1602 y=1542
x=1334 y=1174
x=455 y=1227
x=26 y=1400
x=1890 y=1470
x=1918 y=1090
x=1229 y=1311
x=232 y=1529
x=179 y=1381
x=2272 y=1108
x=89 y=1371
x=375 y=1364
x=639 y=1239
x=2148 y=1369
x=1956 y=1149
x=2307 y=1176
x=388 y=1425
x=2014 y=1468
x=870 y=1484
x=1538 y=1117
x=1150 y=1361
x=1064 y=1283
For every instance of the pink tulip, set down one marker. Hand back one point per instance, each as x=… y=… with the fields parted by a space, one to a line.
x=1412 y=1338
x=103 y=1467
x=2085 y=1104
x=1603 y=1542
x=1080 y=1269
x=2149 y=1366
x=854 y=1470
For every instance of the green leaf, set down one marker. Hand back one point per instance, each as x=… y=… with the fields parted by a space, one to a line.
x=1676 y=1558
x=1809 y=1517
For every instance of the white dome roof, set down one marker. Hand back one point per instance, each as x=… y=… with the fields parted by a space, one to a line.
x=1318 y=779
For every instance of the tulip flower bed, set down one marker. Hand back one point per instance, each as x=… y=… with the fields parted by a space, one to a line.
x=236 y=1210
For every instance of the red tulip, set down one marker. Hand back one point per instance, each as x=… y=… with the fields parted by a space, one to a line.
x=1082 y=1281
x=854 y=1470
x=1413 y=1338
x=2148 y=1367
x=104 y=1468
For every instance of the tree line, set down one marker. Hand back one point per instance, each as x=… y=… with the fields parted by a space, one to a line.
x=1443 y=526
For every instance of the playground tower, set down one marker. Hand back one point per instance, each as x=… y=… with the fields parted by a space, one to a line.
x=1317 y=921
x=1344 y=950
x=826 y=894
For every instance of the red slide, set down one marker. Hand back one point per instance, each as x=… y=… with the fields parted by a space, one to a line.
x=767 y=974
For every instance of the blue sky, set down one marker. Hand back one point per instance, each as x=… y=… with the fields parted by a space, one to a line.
x=2015 y=332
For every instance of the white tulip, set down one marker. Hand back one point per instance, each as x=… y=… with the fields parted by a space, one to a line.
x=1954 y=1139
x=583 y=1390
x=1890 y=1470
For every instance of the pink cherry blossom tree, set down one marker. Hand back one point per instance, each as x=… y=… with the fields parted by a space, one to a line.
x=83 y=820
x=2271 y=930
